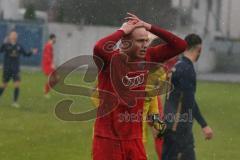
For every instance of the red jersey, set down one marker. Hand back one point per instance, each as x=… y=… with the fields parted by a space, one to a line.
x=171 y=63
x=117 y=77
x=47 y=59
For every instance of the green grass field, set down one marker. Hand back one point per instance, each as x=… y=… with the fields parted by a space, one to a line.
x=33 y=132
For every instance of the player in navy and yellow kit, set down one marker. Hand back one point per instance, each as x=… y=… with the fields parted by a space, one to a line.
x=179 y=139
x=11 y=64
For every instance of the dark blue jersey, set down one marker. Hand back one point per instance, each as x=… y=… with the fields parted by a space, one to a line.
x=12 y=54
x=181 y=106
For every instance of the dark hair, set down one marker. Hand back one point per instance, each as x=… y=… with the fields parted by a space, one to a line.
x=52 y=36
x=193 y=40
x=156 y=42
x=11 y=31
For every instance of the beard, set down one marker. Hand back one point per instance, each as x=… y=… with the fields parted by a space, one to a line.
x=197 y=58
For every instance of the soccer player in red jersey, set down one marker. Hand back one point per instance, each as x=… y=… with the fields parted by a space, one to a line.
x=48 y=64
x=118 y=134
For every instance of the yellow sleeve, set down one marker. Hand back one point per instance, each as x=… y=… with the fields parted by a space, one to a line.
x=95 y=98
x=151 y=104
x=153 y=108
x=158 y=75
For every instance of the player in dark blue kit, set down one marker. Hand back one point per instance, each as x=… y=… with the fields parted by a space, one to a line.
x=181 y=106
x=11 y=64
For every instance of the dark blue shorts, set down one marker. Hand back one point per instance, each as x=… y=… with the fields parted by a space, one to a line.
x=178 y=146
x=9 y=75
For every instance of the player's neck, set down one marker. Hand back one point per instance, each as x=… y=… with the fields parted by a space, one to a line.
x=130 y=58
x=50 y=42
x=190 y=56
x=13 y=43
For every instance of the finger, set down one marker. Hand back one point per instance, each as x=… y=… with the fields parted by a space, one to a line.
x=131 y=14
x=131 y=18
x=209 y=137
x=132 y=22
x=206 y=137
x=138 y=24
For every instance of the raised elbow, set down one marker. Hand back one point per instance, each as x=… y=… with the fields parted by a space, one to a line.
x=97 y=48
x=182 y=46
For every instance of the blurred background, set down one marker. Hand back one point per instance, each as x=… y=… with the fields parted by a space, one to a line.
x=79 y=23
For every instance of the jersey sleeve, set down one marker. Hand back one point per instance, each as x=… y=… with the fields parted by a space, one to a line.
x=198 y=116
x=24 y=52
x=186 y=88
x=184 y=85
x=104 y=48
x=2 y=48
x=153 y=108
x=95 y=98
x=173 y=47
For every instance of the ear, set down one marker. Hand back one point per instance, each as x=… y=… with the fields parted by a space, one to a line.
x=198 y=49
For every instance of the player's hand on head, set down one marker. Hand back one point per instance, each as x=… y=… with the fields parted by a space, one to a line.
x=208 y=133
x=134 y=19
x=128 y=27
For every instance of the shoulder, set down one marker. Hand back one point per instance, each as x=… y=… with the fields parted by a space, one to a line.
x=179 y=66
x=181 y=69
x=19 y=46
x=48 y=45
x=5 y=45
x=183 y=65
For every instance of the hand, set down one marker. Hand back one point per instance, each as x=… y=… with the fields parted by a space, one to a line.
x=53 y=66
x=129 y=27
x=158 y=126
x=208 y=133
x=6 y=40
x=155 y=132
x=34 y=51
x=134 y=19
